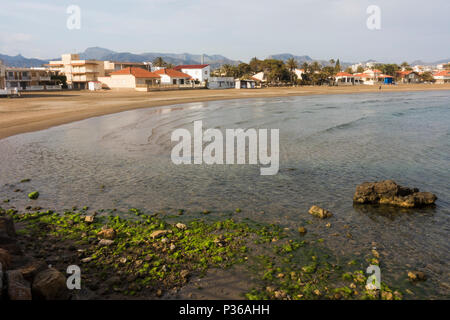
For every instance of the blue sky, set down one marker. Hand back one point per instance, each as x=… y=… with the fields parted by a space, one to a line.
x=410 y=29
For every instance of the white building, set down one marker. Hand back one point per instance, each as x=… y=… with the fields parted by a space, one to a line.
x=345 y=78
x=173 y=77
x=442 y=77
x=198 y=72
x=245 y=84
x=221 y=83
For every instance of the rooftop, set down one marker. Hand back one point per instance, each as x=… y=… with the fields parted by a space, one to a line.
x=137 y=72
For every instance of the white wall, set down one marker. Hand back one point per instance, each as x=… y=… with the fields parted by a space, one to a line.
x=198 y=74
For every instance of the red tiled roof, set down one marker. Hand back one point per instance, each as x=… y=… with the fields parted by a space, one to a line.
x=137 y=72
x=173 y=73
x=442 y=73
x=344 y=74
x=191 y=66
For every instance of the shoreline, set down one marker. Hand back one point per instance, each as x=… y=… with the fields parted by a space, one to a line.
x=39 y=111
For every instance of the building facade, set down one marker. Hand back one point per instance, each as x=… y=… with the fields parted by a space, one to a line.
x=30 y=79
x=198 y=72
x=78 y=72
x=131 y=78
x=173 y=77
x=442 y=77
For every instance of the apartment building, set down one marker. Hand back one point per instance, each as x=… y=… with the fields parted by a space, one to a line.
x=30 y=79
x=113 y=66
x=78 y=72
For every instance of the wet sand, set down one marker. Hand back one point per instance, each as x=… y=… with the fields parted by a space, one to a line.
x=38 y=111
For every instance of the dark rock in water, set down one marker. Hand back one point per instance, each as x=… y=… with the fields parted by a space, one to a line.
x=417 y=276
x=389 y=192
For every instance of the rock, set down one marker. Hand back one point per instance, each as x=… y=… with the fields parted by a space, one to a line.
x=5 y=259
x=18 y=287
x=320 y=212
x=107 y=233
x=181 y=226
x=184 y=274
x=33 y=195
x=50 y=284
x=389 y=192
x=89 y=219
x=417 y=276
x=302 y=230
x=86 y=260
x=159 y=233
x=105 y=242
x=30 y=270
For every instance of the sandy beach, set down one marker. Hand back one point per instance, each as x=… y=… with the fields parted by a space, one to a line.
x=38 y=111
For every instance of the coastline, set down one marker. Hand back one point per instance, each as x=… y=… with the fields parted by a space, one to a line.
x=39 y=111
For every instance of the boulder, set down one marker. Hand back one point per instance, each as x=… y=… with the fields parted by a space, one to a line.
x=320 y=212
x=50 y=284
x=18 y=287
x=389 y=192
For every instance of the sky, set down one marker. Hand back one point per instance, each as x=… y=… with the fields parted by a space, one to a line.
x=237 y=29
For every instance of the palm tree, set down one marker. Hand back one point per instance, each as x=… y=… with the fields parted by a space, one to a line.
x=292 y=65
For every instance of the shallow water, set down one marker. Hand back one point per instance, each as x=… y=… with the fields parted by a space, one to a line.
x=328 y=145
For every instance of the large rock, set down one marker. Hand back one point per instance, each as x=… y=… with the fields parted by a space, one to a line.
x=389 y=192
x=50 y=284
x=18 y=287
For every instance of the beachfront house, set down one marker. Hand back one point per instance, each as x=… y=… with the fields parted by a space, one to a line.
x=2 y=75
x=130 y=78
x=78 y=72
x=408 y=76
x=345 y=79
x=442 y=77
x=245 y=84
x=173 y=77
x=197 y=72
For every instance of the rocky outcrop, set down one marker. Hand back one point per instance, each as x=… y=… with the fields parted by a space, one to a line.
x=389 y=192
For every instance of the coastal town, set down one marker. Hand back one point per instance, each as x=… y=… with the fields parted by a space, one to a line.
x=73 y=73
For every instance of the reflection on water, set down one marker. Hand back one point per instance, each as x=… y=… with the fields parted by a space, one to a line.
x=328 y=145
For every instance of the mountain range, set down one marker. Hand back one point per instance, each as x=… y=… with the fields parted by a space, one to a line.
x=97 y=53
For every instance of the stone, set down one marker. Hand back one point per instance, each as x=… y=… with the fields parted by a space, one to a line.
x=302 y=230
x=7 y=229
x=417 y=276
x=18 y=288
x=33 y=195
x=50 y=284
x=320 y=212
x=181 y=226
x=159 y=233
x=107 y=233
x=89 y=219
x=390 y=193
x=105 y=242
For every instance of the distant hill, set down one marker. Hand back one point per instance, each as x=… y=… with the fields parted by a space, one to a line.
x=422 y=63
x=98 y=53
x=20 y=61
x=302 y=59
